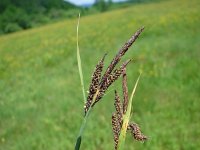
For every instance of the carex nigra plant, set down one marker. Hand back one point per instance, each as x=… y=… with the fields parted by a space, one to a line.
x=99 y=85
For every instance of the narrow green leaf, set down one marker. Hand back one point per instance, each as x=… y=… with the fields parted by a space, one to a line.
x=79 y=63
x=126 y=119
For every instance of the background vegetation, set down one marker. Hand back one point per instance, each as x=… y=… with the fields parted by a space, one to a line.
x=41 y=104
x=23 y=14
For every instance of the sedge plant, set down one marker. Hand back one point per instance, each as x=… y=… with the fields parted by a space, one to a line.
x=99 y=85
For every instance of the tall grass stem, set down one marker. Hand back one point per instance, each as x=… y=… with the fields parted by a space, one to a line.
x=78 y=141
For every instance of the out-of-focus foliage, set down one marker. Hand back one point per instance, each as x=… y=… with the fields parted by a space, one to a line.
x=23 y=14
x=17 y=15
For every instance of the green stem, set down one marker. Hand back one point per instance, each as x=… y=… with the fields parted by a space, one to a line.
x=78 y=141
x=84 y=122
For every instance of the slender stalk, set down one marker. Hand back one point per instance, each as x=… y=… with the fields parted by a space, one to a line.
x=78 y=141
x=79 y=63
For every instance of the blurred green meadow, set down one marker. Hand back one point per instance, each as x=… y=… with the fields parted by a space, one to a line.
x=41 y=104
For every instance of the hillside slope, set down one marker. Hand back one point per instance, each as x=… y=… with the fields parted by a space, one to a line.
x=41 y=104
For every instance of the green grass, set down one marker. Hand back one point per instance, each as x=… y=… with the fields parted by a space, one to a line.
x=41 y=104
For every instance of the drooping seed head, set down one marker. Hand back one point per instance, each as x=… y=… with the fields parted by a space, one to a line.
x=136 y=132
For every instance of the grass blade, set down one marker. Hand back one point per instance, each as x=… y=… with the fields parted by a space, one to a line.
x=126 y=119
x=79 y=63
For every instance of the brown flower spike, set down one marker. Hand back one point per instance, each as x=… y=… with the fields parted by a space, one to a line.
x=120 y=111
x=109 y=76
x=116 y=128
x=119 y=55
x=136 y=132
x=95 y=83
x=118 y=107
x=125 y=91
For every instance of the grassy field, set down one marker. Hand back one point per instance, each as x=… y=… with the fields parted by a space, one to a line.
x=41 y=105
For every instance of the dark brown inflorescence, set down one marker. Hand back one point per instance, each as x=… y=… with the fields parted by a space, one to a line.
x=120 y=111
x=125 y=91
x=116 y=127
x=111 y=78
x=95 y=83
x=136 y=132
x=119 y=55
x=102 y=83
x=118 y=107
